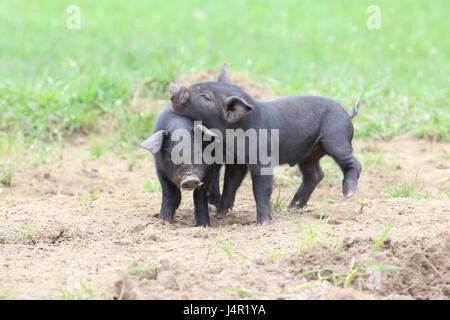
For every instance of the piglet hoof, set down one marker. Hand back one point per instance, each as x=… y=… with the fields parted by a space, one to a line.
x=214 y=201
x=221 y=213
x=203 y=224
x=294 y=205
x=264 y=220
x=165 y=218
x=349 y=188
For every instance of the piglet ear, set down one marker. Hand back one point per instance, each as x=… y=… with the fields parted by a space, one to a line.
x=223 y=76
x=154 y=142
x=205 y=131
x=235 y=108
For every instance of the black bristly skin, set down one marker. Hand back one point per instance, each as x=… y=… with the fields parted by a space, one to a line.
x=309 y=128
x=169 y=174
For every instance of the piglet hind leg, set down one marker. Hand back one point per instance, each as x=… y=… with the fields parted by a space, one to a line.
x=262 y=190
x=234 y=174
x=341 y=151
x=214 y=186
x=312 y=174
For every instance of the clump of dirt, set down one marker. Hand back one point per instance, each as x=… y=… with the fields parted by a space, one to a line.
x=159 y=276
x=417 y=269
x=28 y=232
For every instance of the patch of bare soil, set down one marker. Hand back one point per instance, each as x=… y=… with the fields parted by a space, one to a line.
x=83 y=228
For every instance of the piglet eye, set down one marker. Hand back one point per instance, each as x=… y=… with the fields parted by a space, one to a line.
x=206 y=97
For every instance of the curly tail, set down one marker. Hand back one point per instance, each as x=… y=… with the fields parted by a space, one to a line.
x=354 y=110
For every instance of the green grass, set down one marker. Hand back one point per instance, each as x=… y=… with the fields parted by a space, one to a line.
x=245 y=292
x=277 y=201
x=55 y=81
x=6 y=177
x=76 y=288
x=6 y=295
x=406 y=189
x=357 y=269
x=315 y=233
x=96 y=150
x=151 y=186
x=387 y=230
x=275 y=255
x=93 y=195
x=143 y=269
x=227 y=248
x=26 y=232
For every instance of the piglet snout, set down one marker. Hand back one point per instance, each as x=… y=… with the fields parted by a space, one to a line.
x=190 y=182
x=174 y=90
x=179 y=95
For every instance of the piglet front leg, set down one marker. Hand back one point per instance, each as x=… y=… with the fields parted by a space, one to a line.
x=201 y=207
x=171 y=198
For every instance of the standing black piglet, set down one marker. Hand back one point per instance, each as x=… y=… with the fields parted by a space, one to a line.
x=201 y=178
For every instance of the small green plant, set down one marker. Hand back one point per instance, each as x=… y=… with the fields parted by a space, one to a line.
x=277 y=203
x=355 y=270
x=25 y=233
x=96 y=151
x=246 y=260
x=208 y=254
x=76 y=289
x=6 y=177
x=6 y=295
x=143 y=269
x=407 y=189
x=227 y=248
x=302 y=286
x=384 y=267
x=244 y=292
x=340 y=280
x=312 y=234
x=93 y=195
x=275 y=255
x=151 y=186
x=352 y=273
x=383 y=236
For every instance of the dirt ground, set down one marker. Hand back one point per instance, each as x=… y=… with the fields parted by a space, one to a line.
x=86 y=228
x=83 y=228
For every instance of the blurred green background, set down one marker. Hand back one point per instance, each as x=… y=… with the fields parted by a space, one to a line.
x=55 y=81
